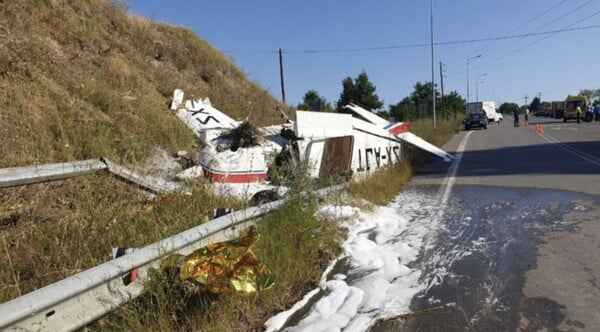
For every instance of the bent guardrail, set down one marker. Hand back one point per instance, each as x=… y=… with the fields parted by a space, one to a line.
x=80 y=299
x=18 y=176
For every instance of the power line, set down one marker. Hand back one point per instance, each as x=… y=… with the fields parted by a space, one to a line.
x=500 y=57
x=455 y=42
x=546 y=36
x=538 y=16
x=513 y=30
x=543 y=26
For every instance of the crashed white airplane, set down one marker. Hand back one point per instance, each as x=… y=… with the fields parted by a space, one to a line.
x=330 y=143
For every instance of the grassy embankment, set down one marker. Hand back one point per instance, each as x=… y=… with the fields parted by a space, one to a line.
x=82 y=79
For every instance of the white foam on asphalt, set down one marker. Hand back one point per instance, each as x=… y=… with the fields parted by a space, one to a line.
x=379 y=250
x=379 y=284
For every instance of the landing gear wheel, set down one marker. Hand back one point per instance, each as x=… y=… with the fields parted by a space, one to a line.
x=263 y=197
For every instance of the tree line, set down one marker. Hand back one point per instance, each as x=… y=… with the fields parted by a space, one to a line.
x=361 y=91
x=419 y=103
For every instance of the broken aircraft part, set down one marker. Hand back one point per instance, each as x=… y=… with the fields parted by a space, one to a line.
x=329 y=143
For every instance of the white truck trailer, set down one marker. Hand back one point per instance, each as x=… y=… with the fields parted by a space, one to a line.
x=488 y=107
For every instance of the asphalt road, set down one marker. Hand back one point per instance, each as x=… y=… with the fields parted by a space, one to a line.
x=520 y=246
x=564 y=156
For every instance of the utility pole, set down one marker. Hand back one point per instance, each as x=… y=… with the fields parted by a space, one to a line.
x=443 y=111
x=477 y=86
x=469 y=60
x=526 y=97
x=432 y=70
x=281 y=76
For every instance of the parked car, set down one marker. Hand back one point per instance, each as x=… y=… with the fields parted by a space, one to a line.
x=542 y=113
x=476 y=120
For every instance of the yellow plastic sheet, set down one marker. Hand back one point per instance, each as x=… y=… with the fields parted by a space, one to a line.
x=225 y=266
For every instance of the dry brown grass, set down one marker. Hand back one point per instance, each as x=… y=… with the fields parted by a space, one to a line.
x=81 y=79
x=383 y=185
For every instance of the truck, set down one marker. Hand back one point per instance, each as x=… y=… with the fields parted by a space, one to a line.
x=487 y=107
x=556 y=109
x=571 y=104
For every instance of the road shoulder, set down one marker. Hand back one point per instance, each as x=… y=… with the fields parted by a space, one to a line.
x=567 y=273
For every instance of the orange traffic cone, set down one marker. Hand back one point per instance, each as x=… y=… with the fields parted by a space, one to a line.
x=541 y=129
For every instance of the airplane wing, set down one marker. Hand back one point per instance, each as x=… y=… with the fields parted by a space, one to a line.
x=401 y=130
x=367 y=115
x=199 y=114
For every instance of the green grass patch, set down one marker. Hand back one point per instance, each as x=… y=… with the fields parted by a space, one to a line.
x=293 y=244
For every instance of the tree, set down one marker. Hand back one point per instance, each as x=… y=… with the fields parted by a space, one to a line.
x=535 y=104
x=593 y=95
x=404 y=110
x=408 y=108
x=545 y=105
x=311 y=97
x=385 y=114
x=422 y=96
x=454 y=104
x=360 y=92
x=508 y=108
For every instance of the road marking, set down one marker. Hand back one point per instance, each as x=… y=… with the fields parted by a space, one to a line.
x=583 y=155
x=448 y=183
x=558 y=127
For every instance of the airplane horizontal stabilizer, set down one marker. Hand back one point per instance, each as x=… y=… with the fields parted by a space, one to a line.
x=399 y=130
x=423 y=144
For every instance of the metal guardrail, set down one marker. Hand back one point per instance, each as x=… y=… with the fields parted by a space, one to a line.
x=80 y=299
x=18 y=176
x=154 y=185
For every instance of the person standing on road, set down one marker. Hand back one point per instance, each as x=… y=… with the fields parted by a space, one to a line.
x=597 y=112
x=578 y=114
x=589 y=113
x=516 y=114
x=527 y=117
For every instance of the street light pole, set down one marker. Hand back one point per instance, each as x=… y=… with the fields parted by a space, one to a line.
x=469 y=60
x=477 y=90
x=432 y=68
x=477 y=86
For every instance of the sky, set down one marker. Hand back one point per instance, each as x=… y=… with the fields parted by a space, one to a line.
x=528 y=48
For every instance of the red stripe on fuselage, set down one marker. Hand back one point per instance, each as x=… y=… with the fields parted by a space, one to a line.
x=235 y=177
x=400 y=128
